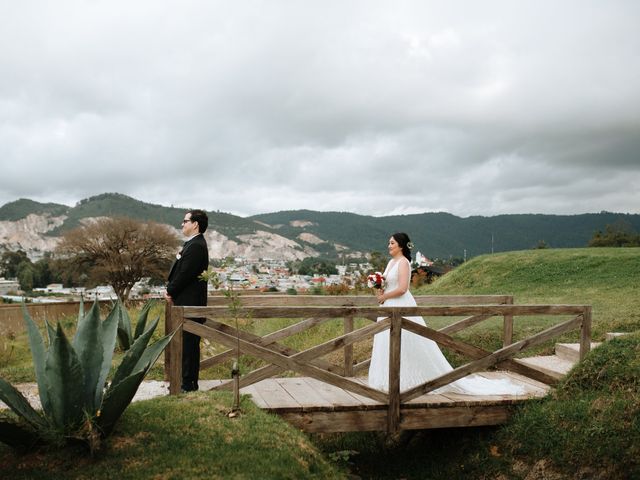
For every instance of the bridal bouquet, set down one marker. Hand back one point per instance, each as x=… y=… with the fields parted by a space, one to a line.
x=375 y=280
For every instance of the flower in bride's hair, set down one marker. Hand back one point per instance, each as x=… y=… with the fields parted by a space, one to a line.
x=375 y=280
x=410 y=245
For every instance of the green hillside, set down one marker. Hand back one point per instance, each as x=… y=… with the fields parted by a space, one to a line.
x=19 y=209
x=444 y=235
x=436 y=235
x=606 y=278
x=115 y=204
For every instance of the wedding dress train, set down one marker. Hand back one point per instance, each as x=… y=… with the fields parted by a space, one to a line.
x=420 y=358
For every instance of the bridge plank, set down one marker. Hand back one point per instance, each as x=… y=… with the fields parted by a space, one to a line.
x=255 y=396
x=335 y=396
x=410 y=419
x=308 y=398
x=276 y=397
x=533 y=386
x=456 y=416
x=367 y=401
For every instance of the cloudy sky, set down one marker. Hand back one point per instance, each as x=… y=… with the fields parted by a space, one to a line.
x=468 y=107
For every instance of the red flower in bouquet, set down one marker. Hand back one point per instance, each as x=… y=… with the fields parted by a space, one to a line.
x=375 y=280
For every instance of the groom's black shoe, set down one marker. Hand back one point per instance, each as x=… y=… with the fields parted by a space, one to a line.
x=189 y=387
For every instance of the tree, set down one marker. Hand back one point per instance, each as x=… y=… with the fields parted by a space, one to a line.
x=316 y=266
x=120 y=251
x=619 y=234
x=378 y=261
x=10 y=262
x=541 y=245
x=26 y=275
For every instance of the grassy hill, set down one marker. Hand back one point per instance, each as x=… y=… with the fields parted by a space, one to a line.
x=606 y=278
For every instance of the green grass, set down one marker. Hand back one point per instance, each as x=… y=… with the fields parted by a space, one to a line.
x=592 y=420
x=184 y=437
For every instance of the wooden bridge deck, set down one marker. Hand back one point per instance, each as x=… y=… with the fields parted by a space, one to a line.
x=330 y=394
x=315 y=406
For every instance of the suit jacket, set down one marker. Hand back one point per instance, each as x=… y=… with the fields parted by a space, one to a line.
x=184 y=285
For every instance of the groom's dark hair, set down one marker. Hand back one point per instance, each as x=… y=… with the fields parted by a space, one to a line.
x=200 y=216
x=403 y=242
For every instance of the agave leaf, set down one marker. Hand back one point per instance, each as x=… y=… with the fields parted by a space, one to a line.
x=66 y=380
x=124 y=326
x=39 y=354
x=142 y=319
x=81 y=309
x=133 y=355
x=118 y=396
x=87 y=343
x=152 y=353
x=109 y=329
x=116 y=400
x=20 y=405
x=17 y=436
x=51 y=332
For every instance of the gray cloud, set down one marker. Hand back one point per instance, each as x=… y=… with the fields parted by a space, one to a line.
x=371 y=107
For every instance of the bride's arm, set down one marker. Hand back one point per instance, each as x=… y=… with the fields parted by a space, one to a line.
x=403 y=283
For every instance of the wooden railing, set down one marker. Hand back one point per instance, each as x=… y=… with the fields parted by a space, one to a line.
x=317 y=310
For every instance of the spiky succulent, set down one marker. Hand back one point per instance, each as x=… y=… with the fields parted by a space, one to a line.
x=77 y=400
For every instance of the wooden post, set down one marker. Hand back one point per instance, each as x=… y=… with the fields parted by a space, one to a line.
x=393 y=419
x=175 y=352
x=348 y=349
x=168 y=328
x=585 y=333
x=507 y=338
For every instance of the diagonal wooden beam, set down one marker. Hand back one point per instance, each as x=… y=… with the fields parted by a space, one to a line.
x=306 y=355
x=475 y=353
x=491 y=359
x=292 y=363
x=256 y=339
x=464 y=323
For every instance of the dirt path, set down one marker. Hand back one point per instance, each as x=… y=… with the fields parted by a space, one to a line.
x=148 y=389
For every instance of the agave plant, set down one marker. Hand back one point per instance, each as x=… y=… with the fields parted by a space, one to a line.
x=78 y=403
x=125 y=337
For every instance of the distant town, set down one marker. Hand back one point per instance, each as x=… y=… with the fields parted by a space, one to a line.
x=265 y=275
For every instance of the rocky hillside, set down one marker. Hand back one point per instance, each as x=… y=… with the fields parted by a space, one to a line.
x=36 y=228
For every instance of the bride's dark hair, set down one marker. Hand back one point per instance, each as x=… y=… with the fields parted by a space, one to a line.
x=403 y=242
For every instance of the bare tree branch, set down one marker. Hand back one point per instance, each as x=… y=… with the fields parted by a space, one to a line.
x=120 y=251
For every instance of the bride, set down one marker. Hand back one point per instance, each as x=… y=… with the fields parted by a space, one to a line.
x=420 y=358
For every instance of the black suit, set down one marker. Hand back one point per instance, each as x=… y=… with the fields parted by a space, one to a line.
x=185 y=288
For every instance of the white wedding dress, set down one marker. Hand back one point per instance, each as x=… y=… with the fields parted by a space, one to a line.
x=420 y=358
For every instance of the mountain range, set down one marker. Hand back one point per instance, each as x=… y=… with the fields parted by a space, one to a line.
x=36 y=227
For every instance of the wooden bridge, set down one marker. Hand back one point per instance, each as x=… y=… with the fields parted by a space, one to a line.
x=333 y=395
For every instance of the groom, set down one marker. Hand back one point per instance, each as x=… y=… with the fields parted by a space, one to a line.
x=185 y=288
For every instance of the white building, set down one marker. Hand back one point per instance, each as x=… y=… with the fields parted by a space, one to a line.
x=8 y=285
x=422 y=260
